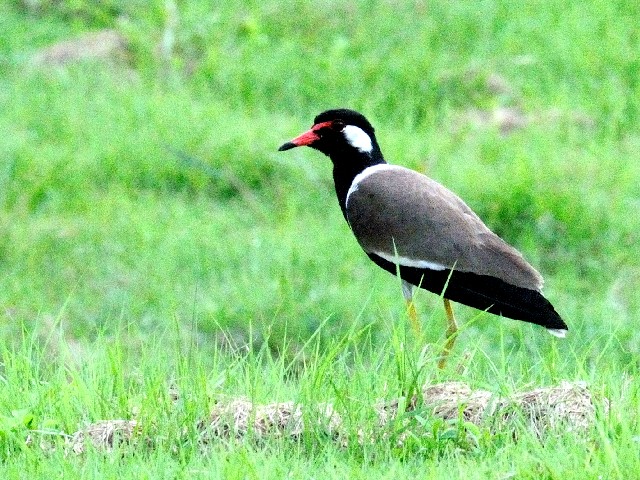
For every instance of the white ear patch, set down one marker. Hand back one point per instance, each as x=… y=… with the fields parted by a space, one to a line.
x=357 y=138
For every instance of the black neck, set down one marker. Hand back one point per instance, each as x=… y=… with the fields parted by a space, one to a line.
x=349 y=163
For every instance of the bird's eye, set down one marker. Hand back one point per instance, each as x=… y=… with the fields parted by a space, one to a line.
x=338 y=125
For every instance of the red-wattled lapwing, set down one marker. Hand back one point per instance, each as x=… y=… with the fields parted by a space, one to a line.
x=411 y=225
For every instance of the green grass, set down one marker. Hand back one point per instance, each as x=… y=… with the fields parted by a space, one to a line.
x=147 y=221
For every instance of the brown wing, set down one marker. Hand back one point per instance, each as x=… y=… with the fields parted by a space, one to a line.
x=397 y=211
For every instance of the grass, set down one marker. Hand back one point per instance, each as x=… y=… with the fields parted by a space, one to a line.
x=147 y=222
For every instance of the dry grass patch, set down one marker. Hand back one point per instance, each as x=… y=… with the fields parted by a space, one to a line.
x=569 y=406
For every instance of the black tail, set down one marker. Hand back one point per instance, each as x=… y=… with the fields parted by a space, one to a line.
x=482 y=292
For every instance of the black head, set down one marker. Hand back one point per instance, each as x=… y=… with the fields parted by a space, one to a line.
x=339 y=131
x=346 y=116
x=349 y=140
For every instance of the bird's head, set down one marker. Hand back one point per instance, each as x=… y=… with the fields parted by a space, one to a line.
x=336 y=132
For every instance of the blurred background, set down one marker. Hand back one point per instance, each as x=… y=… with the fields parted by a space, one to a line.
x=141 y=188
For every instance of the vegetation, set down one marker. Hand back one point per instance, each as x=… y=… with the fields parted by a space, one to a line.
x=151 y=236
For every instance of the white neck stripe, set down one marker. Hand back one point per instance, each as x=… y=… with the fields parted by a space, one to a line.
x=364 y=174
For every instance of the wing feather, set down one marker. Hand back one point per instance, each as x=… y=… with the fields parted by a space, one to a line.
x=400 y=212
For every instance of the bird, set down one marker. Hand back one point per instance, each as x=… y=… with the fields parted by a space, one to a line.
x=414 y=227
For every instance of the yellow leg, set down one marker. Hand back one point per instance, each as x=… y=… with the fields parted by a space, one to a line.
x=452 y=330
x=413 y=317
x=407 y=292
